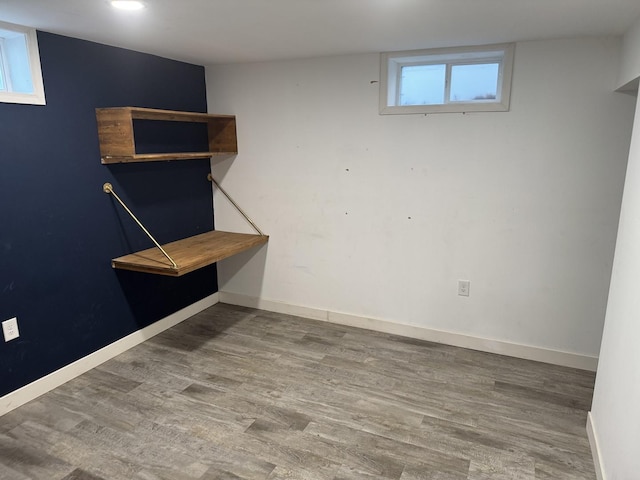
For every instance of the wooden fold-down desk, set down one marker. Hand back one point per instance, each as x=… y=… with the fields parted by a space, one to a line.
x=189 y=253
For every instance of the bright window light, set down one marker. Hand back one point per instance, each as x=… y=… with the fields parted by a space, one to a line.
x=127 y=4
x=466 y=79
x=20 y=72
x=3 y=84
x=415 y=77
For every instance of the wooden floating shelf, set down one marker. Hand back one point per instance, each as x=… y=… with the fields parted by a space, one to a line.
x=117 y=136
x=190 y=253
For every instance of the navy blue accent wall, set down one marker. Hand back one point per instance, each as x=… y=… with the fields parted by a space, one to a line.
x=59 y=231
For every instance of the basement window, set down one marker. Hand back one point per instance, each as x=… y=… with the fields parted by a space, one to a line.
x=468 y=79
x=20 y=73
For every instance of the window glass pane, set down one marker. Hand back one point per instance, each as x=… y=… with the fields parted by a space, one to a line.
x=17 y=58
x=474 y=82
x=2 y=87
x=422 y=85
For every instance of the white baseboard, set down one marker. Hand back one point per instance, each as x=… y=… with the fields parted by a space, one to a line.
x=55 y=379
x=595 y=448
x=527 y=352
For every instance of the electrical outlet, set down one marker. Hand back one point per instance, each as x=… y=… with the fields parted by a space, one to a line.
x=10 y=329
x=463 y=288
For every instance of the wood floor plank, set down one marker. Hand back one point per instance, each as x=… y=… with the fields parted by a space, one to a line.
x=239 y=393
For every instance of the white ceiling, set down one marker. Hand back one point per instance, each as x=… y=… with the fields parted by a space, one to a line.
x=208 y=32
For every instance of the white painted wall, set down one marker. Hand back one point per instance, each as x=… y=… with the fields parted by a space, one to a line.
x=630 y=58
x=379 y=216
x=615 y=413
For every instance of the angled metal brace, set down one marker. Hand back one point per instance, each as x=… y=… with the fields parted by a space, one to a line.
x=211 y=179
x=108 y=188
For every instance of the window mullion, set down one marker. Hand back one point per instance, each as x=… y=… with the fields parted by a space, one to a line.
x=399 y=84
x=447 y=83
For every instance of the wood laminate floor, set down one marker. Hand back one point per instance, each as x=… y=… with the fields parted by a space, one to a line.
x=236 y=393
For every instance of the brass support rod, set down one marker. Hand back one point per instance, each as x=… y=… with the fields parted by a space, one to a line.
x=210 y=177
x=108 y=188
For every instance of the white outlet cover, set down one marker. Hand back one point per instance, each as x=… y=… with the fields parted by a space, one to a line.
x=10 y=329
x=463 y=288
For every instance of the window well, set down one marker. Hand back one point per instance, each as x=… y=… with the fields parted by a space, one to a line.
x=468 y=79
x=20 y=73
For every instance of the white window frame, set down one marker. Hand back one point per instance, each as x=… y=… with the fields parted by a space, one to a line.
x=37 y=97
x=391 y=64
x=6 y=80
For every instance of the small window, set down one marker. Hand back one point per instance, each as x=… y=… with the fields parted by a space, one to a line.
x=20 y=73
x=470 y=79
